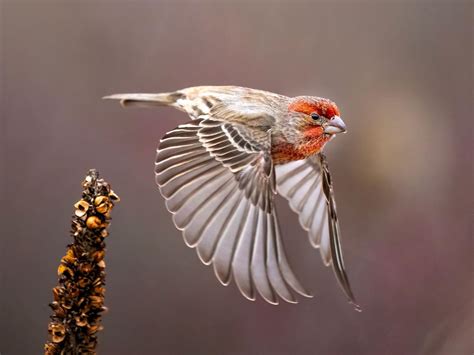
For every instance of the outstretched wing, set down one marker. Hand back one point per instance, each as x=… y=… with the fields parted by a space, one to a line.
x=307 y=185
x=219 y=184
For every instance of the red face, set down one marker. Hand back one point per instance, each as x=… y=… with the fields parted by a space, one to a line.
x=319 y=105
x=313 y=137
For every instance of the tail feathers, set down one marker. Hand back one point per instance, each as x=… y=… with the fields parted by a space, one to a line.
x=146 y=100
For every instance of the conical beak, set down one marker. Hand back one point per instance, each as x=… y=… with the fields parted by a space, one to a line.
x=335 y=125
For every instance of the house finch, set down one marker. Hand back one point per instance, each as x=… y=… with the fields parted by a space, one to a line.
x=219 y=173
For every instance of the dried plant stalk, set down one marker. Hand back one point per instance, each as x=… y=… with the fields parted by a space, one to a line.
x=79 y=296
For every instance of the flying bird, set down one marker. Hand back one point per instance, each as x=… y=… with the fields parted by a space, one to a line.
x=220 y=171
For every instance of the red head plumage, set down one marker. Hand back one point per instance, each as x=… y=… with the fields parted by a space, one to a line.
x=308 y=105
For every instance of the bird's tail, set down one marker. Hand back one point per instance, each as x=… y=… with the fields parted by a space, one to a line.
x=146 y=100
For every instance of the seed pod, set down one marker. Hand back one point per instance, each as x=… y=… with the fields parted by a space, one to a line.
x=85 y=268
x=63 y=269
x=57 y=331
x=51 y=349
x=69 y=257
x=93 y=328
x=60 y=312
x=87 y=181
x=97 y=282
x=101 y=204
x=98 y=255
x=81 y=208
x=58 y=292
x=81 y=320
x=113 y=196
x=83 y=282
x=96 y=301
x=93 y=222
x=67 y=303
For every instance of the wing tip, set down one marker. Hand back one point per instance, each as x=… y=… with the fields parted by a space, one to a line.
x=223 y=279
x=249 y=297
x=303 y=292
x=356 y=306
x=273 y=303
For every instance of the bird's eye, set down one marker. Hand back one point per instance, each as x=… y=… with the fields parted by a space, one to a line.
x=315 y=116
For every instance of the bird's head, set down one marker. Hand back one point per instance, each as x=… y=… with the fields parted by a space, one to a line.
x=316 y=117
x=315 y=122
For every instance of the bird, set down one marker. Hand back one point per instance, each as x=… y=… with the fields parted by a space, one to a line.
x=220 y=171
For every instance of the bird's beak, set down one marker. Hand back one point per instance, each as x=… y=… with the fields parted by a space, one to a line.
x=335 y=125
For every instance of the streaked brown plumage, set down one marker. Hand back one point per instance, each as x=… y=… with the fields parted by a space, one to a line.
x=220 y=171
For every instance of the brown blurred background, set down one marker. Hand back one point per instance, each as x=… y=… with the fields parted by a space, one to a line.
x=401 y=73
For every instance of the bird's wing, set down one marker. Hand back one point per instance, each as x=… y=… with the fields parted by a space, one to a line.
x=307 y=185
x=219 y=185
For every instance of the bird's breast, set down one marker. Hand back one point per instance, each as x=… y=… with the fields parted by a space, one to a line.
x=285 y=152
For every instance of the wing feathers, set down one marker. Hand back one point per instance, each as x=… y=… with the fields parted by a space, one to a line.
x=307 y=186
x=227 y=244
x=259 y=260
x=274 y=272
x=215 y=229
x=242 y=257
x=285 y=268
x=221 y=197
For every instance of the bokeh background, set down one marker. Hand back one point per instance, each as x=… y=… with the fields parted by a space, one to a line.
x=402 y=75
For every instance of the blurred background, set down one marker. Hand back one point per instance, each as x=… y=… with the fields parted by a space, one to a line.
x=402 y=75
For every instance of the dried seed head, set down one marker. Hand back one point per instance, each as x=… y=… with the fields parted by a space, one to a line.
x=99 y=290
x=93 y=222
x=58 y=292
x=85 y=268
x=57 y=309
x=94 y=328
x=51 y=349
x=79 y=298
x=57 y=331
x=69 y=257
x=97 y=282
x=64 y=270
x=98 y=255
x=60 y=313
x=67 y=303
x=113 y=196
x=81 y=320
x=81 y=208
x=102 y=204
x=77 y=228
x=96 y=301
x=87 y=181
x=108 y=214
x=101 y=264
x=99 y=200
x=82 y=282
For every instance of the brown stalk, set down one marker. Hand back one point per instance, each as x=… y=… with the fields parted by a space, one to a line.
x=79 y=295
